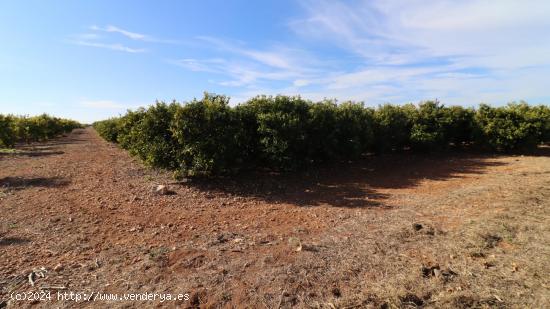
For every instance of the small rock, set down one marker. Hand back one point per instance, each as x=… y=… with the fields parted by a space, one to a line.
x=417 y=226
x=58 y=267
x=162 y=190
x=295 y=243
x=428 y=271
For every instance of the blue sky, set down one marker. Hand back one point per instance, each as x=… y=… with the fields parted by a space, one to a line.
x=90 y=60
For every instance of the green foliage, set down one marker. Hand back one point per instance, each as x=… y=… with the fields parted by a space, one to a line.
x=543 y=114
x=427 y=131
x=7 y=131
x=459 y=124
x=322 y=131
x=513 y=127
x=437 y=127
x=108 y=129
x=247 y=137
x=150 y=137
x=31 y=129
x=208 y=137
x=392 y=127
x=207 y=134
x=539 y=119
x=354 y=131
x=126 y=126
x=282 y=130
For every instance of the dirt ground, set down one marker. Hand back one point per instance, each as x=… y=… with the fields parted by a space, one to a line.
x=459 y=230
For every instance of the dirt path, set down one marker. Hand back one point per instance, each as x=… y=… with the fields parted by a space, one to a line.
x=401 y=230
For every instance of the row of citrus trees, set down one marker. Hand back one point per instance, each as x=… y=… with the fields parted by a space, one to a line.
x=208 y=136
x=15 y=129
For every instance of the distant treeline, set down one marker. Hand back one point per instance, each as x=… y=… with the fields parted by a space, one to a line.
x=15 y=129
x=207 y=136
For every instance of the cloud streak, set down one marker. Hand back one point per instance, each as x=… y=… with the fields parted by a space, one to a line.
x=114 y=46
x=447 y=49
x=96 y=39
x=131 y=35
x=128 y=34
x=458 y=51
x=241 y=66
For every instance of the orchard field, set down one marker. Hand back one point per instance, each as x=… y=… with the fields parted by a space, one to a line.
x=208 y=137
x=280 y=202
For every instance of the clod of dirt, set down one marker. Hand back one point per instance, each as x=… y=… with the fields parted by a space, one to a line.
x=477 y=255
x=197 y=298
x=491 y=240
x=336 y=292
x=411 y=300
x=222 y=238
x=429 y=271
x=426 y=229
x=436 y=271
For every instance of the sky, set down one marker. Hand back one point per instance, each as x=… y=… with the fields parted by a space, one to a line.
x=90 y=60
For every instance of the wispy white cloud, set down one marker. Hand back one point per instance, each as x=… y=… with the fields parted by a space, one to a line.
x=99 y=37
x=417 y=49
x=246 y=66
x=398 y=32
x=206 y=65
x=387 y=50
x=128 y=34
x=277 y=58
x=114 y=46
x=131 y=35
x=235 y=73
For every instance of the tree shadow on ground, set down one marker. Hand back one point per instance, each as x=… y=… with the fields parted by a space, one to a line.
x=350 y=184
x=24 y=182
x=65 y=139
x=8 y=241
x=32 y=153
x=541 y=151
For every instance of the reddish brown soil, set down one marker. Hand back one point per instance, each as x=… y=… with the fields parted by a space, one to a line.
x=84 y=210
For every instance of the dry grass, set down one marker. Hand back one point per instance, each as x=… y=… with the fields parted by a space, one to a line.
x=496 y=259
